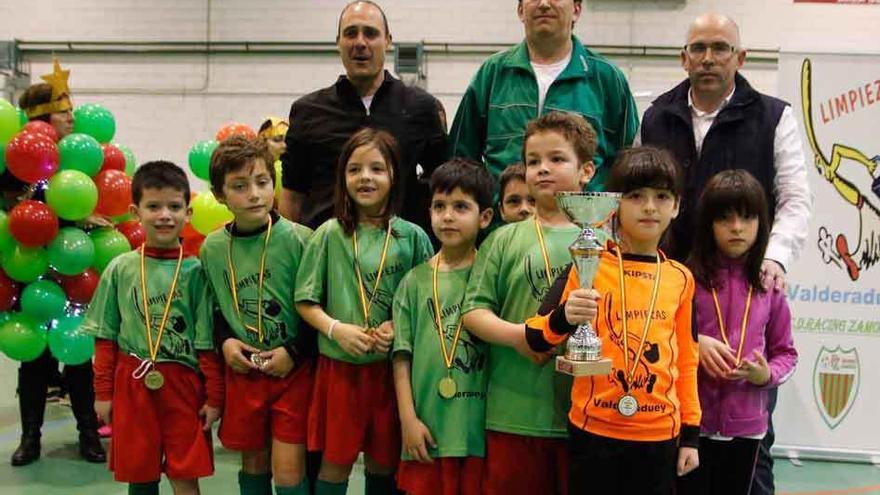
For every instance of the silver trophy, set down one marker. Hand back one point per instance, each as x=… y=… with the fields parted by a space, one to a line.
x=588 y=210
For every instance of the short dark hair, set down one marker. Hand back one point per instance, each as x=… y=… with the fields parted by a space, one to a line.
x=574 y=128
x=235 y=153
x=644 y=166
x=469 y=176
x=517 y=171
x=726 y=192
x=36 y=94
x=368 y=2
x=159 y=174
x=345 y=210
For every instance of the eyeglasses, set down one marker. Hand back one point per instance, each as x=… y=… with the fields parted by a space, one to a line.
x=719 y=48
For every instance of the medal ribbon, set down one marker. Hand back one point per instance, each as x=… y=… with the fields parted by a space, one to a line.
x=367 y=305
x=742 y=331
x=448 y=356
x=630 y=372
x=234 y=281
x=154 y=349
x=546 y=257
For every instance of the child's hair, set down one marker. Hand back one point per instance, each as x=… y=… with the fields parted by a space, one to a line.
x=345 y=210
x=517 y=171
x=644 y=166
x=469 y=176
x=159 y=174
x=727 y=192
x=36 y=94
x=235 y=153
x=576 y=131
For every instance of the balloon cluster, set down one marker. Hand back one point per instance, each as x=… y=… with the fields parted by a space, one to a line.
x=48 y=270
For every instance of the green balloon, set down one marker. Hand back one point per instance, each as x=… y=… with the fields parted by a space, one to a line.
x=72 y=195
x=69 y=343
x=22 y=117
x=130 y=161
x=80 y=152
x=122 y=218
x=71 y=252
x=109 y=243
x=43 y=300
x=7 y=242
x=96 y=121
x=200 y=158
x=22 y=338
x=10 y=123
x=25 y=264
x=208 y=213
x=2 y=158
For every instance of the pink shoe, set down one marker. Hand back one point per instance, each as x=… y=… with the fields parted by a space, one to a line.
x=105 y=431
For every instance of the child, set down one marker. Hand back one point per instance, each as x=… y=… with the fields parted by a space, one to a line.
x=251 y=265
x=273 y=131
x=516 y=202
x=744 y=329
x=153 y=330
x=440 y=379
x=351 y=267
x=525 y=441
x=631 y=430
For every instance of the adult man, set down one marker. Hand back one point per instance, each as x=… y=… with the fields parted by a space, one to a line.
x=366 y=96
x=550 y=70
x=715 y=121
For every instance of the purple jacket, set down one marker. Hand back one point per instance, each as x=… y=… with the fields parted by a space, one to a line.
x=738 y=408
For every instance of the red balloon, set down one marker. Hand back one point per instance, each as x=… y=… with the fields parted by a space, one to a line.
x=80 y=288
x=9 y=292
x=32 y=157
x=192 y=240
x=114 y=192
x=40 y=127
x=32 y=223
x=134 y=232
x=114 y=159
x=235 y=129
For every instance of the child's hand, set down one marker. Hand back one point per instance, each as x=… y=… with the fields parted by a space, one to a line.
x=582 y=306
x=102 y=409
x=756 y=372
x=416 y=438
x=384 y=335
x=278 y=362
x=716 y=359
x=353 y=339
x=539 y=358
x=209 y=416
x=96 y=220
x=688 y=460
x=233 y=353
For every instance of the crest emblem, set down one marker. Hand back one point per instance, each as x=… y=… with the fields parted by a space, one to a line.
x=835 y=383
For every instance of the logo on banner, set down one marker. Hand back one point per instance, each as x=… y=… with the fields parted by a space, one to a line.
x=835 y=383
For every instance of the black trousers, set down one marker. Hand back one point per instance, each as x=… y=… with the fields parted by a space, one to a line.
x=33 y=382
x=726 y=468
x=618 y=467
x=762 y=484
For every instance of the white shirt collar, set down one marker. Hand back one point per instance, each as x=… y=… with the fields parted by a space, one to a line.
x=696 y=112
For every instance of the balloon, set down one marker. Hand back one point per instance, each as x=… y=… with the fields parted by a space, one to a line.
x=9 y=292
x=22 y=118
x=109 y=243
x=134 y=232
x=192 y=240
x=25 y=264
x=10 y=123
x=32 y=223
x=71 y=252
x=114 y=192
x=40 y=127
x=43 y=300
x=200 y=158
x=2 y=158
x=277 y=180
x=96 y=121
x=72 y=195
x=7 y=242
x=22 y=338
x=80 y=288
x=114 y=159
x=235 y=129
x=81 y=152
x=208 y=214
x=69 y=343
x=130 y=162
x=32 y=157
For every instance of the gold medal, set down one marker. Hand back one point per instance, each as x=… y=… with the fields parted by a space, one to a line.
x=233 y=281
x=366 y=305
x=627 y=406
x=742 y=330
x=257 y=360
x=447 y=387
x=154 y=380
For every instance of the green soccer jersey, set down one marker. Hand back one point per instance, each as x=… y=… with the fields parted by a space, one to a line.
x=510 y=279
x=280 y=321
x=457 y=424
x=117 y=310
x=327 y=275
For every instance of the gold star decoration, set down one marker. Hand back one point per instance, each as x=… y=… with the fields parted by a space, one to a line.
x=58 y=80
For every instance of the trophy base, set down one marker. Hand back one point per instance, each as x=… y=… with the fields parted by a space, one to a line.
x=583 y=368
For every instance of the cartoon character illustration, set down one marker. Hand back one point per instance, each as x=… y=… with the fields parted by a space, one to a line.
x=174 y=341
x=643 y=378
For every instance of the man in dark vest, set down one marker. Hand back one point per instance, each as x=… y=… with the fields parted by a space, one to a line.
x=714 y=121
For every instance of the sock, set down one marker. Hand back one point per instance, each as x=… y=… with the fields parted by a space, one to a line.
x=301 y=489
x=255 y=484
x=327 y=488
x=151 y=488
x=379 y=484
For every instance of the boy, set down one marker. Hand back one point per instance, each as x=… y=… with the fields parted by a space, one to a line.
x=251 y=266
x=439 y=380
x=153 y=336
x=514 y=269
x=516 y=202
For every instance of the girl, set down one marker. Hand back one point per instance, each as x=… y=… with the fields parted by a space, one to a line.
x=744 y=332
x=349 y=272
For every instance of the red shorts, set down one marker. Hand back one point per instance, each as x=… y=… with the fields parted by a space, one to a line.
x=354 y=410
x=444 y=476
x=260 y=407
x=158 y=431
x=517 y=464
